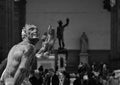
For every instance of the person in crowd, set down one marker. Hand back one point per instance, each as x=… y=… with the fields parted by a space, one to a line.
x=105 y=71
x=21 y=57
x=55 y=79
x=77 y=80
x=33 y=79
x=66 y=78
x=61 y=78
x=41 y=69
x=80 y=66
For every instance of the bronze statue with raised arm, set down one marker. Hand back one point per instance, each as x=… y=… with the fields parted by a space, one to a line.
x=60 y=32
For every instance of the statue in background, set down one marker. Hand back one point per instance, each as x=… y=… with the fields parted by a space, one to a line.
x=48 y=41
x=60 y=33
x=83 y=43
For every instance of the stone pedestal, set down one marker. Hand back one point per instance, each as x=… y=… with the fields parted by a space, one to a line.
x=47 y=62
x=84 y=57
x=62 y=59
x=61 y=62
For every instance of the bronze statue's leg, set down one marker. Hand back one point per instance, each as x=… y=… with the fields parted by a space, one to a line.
x=59 y=43
x=63 y=44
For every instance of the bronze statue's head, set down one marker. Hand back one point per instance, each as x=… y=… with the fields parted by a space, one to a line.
x=60 y=22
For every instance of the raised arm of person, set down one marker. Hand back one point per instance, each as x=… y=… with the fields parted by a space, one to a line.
x=67 y=22
x=25 y=64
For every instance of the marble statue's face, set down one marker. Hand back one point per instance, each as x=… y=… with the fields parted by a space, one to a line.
x=32 y=32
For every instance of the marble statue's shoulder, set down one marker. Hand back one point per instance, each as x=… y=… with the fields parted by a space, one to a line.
x=24 y=47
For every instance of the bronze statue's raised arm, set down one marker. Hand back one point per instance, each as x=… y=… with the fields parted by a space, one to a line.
x=67 y=22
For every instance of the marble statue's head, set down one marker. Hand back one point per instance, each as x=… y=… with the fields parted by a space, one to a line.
x=30 y=31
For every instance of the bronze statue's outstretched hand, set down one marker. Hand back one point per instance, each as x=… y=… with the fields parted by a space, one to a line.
x=67 y=20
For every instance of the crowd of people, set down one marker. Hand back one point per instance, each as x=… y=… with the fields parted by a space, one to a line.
x=96 y=74
x=49 y=77
x=86 y=75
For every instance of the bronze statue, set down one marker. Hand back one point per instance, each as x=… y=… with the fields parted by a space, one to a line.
x=60 y=32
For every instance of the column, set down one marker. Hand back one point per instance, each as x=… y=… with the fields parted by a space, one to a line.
x=115 y=35
x=20 y=17
x=8 y=26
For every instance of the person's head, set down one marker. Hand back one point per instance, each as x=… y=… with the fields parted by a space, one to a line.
x=41 y=68
x=46 y=71
x=104 y=65
x=30 y=32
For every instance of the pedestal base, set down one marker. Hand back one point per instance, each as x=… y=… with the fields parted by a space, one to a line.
x=47 y=63
x=84 y=57
x=62 y=59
